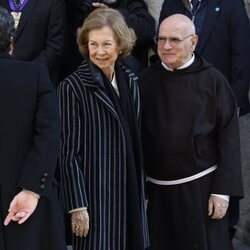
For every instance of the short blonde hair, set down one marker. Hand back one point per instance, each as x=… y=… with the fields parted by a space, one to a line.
x=100 y=18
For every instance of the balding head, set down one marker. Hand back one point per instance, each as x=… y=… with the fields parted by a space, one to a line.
x=176 y=40
x=181 y=22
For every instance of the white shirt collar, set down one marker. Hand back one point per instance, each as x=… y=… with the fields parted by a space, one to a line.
x=114 y=84
x=185 y=65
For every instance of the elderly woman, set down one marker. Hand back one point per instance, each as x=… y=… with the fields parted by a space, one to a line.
x=101 y=160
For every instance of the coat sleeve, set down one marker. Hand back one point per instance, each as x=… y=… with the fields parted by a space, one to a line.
x=138 y=18
x=228 y=178
x=39 y=168
x=166 y=10
x=70 y=162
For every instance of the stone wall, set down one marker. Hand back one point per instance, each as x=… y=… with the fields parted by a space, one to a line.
x=247 y=2
x=243 y=228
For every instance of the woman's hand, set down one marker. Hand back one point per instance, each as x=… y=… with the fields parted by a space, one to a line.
x=80 y=223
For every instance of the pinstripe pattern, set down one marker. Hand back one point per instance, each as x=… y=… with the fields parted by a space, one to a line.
x=93 y=160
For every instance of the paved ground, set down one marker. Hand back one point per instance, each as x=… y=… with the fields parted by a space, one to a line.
x=238 y=245
x=243 y=232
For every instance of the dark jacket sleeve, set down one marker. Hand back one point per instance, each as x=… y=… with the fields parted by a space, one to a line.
x=38 y=172
x=137 y=17
x=167 y=11
x=54 y=44
x=163 y=13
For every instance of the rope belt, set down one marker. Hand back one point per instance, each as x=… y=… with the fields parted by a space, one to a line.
x=183 y=180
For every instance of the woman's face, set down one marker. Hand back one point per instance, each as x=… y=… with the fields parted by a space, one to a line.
x=103 y=49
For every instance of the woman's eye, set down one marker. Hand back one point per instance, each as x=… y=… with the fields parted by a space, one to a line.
x=107 y=44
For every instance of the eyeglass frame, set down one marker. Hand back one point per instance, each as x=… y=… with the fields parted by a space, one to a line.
x=171 y=40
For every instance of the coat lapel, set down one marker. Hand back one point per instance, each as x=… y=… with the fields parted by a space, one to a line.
x=27 y=10
x=93 y=79
x=212 y=13
x=107 y=103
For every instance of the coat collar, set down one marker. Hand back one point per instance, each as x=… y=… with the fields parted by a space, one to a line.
x=93 y=77
x=90 y=77
x=90 y=74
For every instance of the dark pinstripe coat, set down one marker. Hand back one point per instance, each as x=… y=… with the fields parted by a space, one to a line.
x=93 y=159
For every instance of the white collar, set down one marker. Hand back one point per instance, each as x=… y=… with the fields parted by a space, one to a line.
x=185 y=65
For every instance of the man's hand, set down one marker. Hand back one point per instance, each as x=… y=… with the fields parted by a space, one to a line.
x=21 y=207
x=80 y=223
x=217 y=207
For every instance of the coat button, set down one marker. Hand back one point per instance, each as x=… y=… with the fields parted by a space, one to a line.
x=45 y=174
x=43 y=179
x=42 y=186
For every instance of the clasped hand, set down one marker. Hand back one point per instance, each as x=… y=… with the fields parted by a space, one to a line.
x=80 y=223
